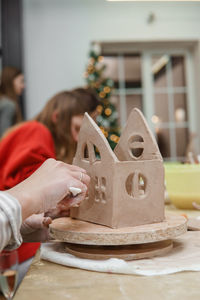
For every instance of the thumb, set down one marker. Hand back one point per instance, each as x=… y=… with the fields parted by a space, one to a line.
x=33 y=223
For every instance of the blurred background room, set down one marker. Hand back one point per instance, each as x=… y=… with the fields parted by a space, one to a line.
x=61 y=58
x=151 y=53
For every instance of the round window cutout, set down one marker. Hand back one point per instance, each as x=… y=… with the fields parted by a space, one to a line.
x=136 y=146
x=136 y=185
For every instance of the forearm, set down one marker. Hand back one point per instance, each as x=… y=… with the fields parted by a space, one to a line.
x=23 y=196
x=10 y=221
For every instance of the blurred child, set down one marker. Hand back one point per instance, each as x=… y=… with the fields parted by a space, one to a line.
x=11 y=87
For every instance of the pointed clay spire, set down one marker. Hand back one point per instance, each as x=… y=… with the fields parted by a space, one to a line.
x=136 y=141
x=91 y=135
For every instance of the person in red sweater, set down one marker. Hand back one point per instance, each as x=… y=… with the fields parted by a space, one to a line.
x=52 y=134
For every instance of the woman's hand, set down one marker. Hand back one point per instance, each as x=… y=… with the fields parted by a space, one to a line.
x=62 y=209
x=36 y=228
x=48 y=186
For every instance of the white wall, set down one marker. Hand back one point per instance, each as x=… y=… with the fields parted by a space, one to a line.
x=57 y=36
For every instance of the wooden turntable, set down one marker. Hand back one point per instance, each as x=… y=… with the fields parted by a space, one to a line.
x=93 y=241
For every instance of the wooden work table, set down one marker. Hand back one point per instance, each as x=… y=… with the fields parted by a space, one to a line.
x=50 y=281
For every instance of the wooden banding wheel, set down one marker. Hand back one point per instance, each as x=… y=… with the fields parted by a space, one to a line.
x=89 y=240
x=127 y=252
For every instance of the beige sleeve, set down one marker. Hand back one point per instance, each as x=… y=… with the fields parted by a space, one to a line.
x=10 y=222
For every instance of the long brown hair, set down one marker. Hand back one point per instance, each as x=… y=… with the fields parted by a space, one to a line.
x=66 y=104
x=7 y=88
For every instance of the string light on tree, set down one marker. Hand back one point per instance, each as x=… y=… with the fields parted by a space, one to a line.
x=108 y=116
x=108 y=111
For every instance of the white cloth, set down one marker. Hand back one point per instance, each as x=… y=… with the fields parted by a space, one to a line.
x=185 y=256
x=10 y=221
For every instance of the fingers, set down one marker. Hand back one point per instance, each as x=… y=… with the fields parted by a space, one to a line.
x=63 y=207
x=75 y=168
x=78 y=173
x=59 y=165
x=57 y=213
x=67 y=202
x=46 y=221
x=75 y=171
x=52 y=213
x=34 y=223
x=64 y=213
x=75 y=202
x=83 y=177
x=77 y=184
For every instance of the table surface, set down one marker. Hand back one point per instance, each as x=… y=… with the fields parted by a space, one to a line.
x=50 y=281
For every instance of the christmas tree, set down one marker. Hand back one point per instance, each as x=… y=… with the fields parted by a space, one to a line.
x=108 y=116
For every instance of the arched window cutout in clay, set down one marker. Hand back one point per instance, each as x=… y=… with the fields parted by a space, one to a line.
x=97 y=196
x=100 y=189
x=97 y=153
x=96 y=180
x=103 y=200
x=142 y=184
x=96 y=188
x=85 y=153
x=91 y=155
x=136 y=146
x=136 y=185
x=103 y=180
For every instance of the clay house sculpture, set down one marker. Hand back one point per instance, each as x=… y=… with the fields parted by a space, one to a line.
x=127 y=185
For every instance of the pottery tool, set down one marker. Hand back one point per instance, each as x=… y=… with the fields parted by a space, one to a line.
x=71 y=200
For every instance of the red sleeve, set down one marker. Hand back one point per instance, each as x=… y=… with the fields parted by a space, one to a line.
x=22 y=151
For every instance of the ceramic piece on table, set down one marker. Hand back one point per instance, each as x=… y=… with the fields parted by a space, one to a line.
x=127 y=185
